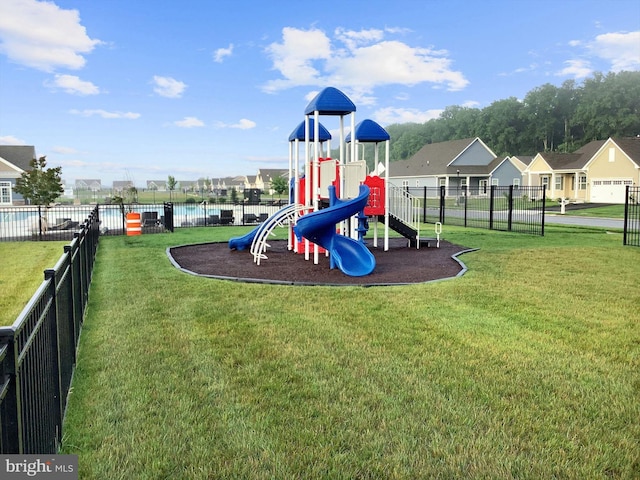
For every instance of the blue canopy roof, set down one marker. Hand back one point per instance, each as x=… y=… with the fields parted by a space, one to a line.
x=369 y=131
x=330 y=101
x=298 y=132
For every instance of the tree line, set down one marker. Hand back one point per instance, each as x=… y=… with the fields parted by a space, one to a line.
x=549 y=118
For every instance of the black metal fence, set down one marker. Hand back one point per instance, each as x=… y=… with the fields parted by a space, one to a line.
x=38 y=352
x=510 y=208
x=63 y=222
x=632 y=217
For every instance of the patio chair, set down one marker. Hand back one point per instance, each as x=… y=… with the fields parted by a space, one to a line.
x=226 y=217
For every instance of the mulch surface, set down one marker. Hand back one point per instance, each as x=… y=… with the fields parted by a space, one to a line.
x=399 y=265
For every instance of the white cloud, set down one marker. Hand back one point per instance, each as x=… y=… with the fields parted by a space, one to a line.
x=366 y=61
x=390 y=115
x=352 y=39
x=189 y=122
x=168 y=87
x=621 y=49
x=294 y=58
x=73 y=85
x=576 y=69
x=470 y=104
x=42 y=35
x=64 y=150
x=11 y=140
x=243 y=124
x=221 y=53
x=106 y=114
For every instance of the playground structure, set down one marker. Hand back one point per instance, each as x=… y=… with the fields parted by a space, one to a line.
x=330 y=205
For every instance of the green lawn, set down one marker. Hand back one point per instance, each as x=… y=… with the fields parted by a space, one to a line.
x=608 y=211
x=22 y=272
x=525 y=367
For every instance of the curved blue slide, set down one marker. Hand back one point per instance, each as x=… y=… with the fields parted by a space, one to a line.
x=351 y=256
x=245 y=241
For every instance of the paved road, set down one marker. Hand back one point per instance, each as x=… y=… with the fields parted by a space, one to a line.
x=584 y=221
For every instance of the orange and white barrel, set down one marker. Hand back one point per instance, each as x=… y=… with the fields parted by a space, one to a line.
x=133 y=226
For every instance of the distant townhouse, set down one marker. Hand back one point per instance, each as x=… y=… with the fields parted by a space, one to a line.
x=90 y=184
x=266 y=175
x=157 y=185
x=120 y=186
x=14 y=161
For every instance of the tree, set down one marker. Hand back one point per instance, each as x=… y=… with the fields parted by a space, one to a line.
x=279 y=185
x=40 y=185
x=171 y=184
x=128 y=197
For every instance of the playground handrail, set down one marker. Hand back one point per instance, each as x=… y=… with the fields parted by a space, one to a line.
x=405 y=207
x=259 y=243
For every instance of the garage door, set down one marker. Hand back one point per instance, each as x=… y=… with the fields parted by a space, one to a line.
x=609 y=191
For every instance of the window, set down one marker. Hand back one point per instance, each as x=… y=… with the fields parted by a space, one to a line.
x=405 y=184
x=612 y=154
x=5 y=193
x=559 y=182
x=443 y=182
x=482 y=186
x=417 y=183
x=582 y=182
x=516 y=183
x=544 y=181
x=495 y=182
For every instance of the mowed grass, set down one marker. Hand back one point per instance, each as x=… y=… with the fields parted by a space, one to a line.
x=22 y=272
x=525 y=367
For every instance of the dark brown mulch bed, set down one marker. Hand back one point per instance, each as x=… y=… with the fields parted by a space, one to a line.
x=399 y=265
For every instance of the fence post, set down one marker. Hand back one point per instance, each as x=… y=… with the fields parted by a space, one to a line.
x=492 y=191
x=510 y=214
x=40 y=222
x=424 y=204
x=626 y=214
x=464 y=193
x=442 y=203
x=10 y=411
x=168 y=216
x=50 y=275
x=544 y=203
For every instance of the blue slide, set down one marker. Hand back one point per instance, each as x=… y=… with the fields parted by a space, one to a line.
x=351 y=256
x=245 y=241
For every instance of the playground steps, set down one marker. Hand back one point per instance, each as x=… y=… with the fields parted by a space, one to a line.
x=402 y=228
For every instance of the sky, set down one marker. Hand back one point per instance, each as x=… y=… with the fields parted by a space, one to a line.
x=140 y=90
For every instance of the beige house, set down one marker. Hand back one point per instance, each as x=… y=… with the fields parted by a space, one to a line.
x=266 y=175
x=596 y=173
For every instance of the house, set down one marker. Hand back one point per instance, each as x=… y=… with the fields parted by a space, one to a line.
x=120 y=186
x=92 y=184
x=157 y=185
x=251 y=181
x=14 y=161
x=596 y=173
x=457 y=164
x=266 y=175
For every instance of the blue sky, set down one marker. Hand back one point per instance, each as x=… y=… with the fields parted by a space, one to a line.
x=139 y=90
